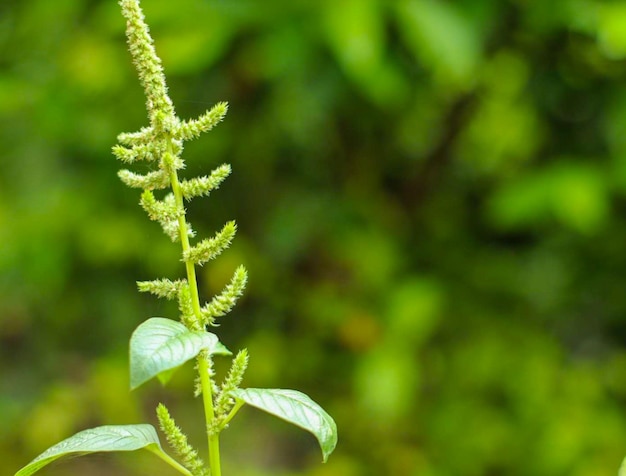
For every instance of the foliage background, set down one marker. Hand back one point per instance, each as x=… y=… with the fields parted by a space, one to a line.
x=430 y=197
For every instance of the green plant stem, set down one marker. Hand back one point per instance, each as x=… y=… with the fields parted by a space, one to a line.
x=209 y=414
x=171 y=461
x=203 y=367
x=232 y=413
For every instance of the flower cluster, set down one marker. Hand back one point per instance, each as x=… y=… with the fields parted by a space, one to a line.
x=178 y=441
x=161 y=143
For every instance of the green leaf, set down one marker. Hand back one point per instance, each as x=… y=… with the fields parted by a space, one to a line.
x=294 y=407
x=102 y=438
x=161 y=344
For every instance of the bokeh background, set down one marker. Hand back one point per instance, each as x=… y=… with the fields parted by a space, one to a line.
x=431 y=200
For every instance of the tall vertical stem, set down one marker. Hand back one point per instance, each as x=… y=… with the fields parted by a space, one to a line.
x=203 y=363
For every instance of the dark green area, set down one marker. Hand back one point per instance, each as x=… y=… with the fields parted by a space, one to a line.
x=431 y=204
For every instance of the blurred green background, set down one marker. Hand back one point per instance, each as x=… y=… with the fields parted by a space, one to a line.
x=431 y=200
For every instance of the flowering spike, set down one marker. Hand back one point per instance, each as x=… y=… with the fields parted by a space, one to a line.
x=185 y=305
x=144 y=136
x=178 y=441
x=124 y=154
x=192 y=128
x=159 y=210
x=199 y=186
x=209 y=248
x=148 y=65
x=223 y=303
x=151 y=181
x=163 y=288
x=234 y=377
x=147 y=152
x=223 y=400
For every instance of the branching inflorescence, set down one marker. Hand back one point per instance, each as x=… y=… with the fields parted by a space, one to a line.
x=162 y=143
x=158 y=346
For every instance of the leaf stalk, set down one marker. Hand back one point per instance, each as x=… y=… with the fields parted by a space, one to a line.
x=171 y=461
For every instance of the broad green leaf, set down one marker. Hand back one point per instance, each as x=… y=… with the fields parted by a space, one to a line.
x=622 y=468
x=102 y=438
x=294 y=407
x=161 y=344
